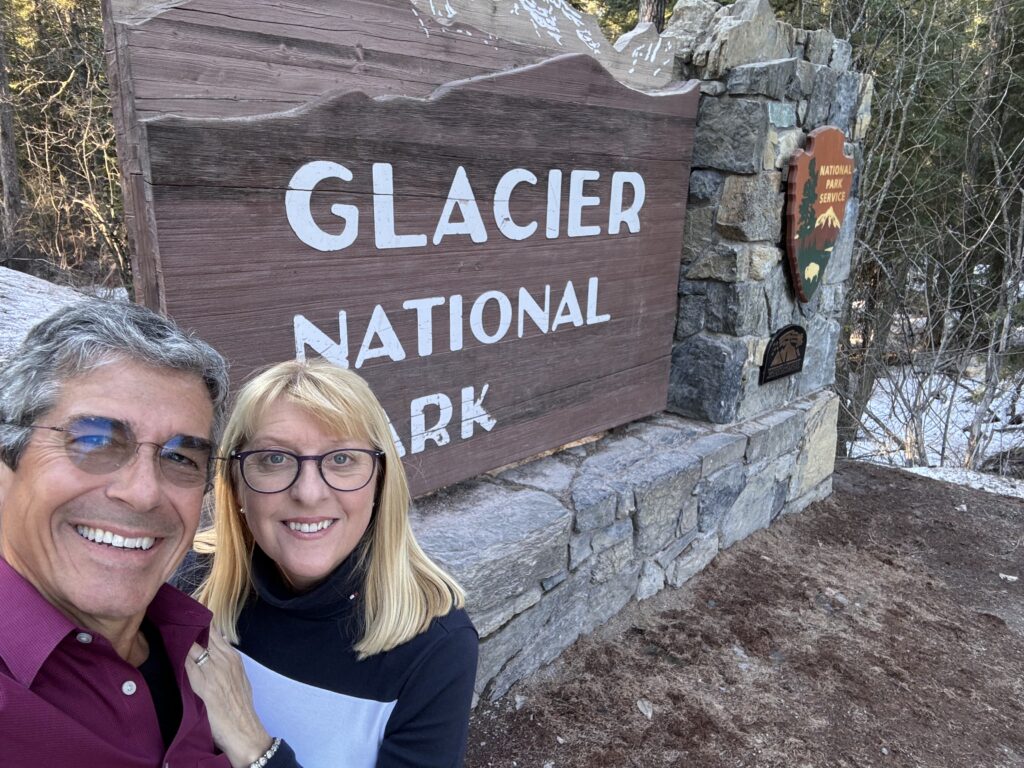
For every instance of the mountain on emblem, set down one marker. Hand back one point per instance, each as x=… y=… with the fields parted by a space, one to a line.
x=828 y=219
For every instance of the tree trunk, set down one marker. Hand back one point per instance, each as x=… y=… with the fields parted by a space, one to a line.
x=10 y=183
x=653 y=10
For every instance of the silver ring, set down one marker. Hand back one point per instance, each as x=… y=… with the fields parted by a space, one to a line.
x=202 y=658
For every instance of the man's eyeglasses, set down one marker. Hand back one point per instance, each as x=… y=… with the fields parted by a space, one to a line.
x=273 y=471
x=99 y=445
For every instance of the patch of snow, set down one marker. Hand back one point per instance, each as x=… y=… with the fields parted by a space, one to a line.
x=981 y=481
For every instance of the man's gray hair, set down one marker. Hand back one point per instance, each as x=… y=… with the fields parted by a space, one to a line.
x=80 y=338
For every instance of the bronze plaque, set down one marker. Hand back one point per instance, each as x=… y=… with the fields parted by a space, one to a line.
x=499 y=259
x=819 y=184
x=784 y=355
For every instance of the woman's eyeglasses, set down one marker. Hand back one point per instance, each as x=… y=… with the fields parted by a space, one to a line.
x=100 y=445
x=273 y=471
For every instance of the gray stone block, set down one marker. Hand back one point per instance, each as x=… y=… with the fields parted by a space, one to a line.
x=782 y=304
x=550 y=474
x=652 y=580
x=838 y=270
x=751 y=207
x=663 y=486
x=782 y=114
x=802 y=84
x=730 y=134
x=712 y=88
x=842 y=54
x=745 y=32
x=818 y=48
x=718 y=493
x=719 y=450
x=818 y=453
x=726 y=262
x=788 y=143
x=699 y=234
x=757 y=399
x=762 y=78
x=705 y=186
x=487 y=622
x=553 y=581
x=691 y=287
x=774 y=434
x=694 y=560
x=758 y=503
x=666 y=434
x=24 y=301
x=675 y=548
x=738 y=309
x=820 y=103
x=690 y=21
x=495 y=555
x=537 y=637
x=820 y=362
x=580 y=548
x=595 y=503
x=845 y=100
x=820 y=492
x=706 y=377
x=763 y=259
x=616 y=533
x=616 y=559
x=690 y=316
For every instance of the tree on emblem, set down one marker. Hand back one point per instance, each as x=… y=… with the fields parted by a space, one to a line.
x=807 y=203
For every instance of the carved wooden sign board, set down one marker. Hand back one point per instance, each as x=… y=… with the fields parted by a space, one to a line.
x=497 y=257
x=818 y=188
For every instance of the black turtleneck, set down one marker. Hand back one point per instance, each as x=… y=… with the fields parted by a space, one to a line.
x=310 y=688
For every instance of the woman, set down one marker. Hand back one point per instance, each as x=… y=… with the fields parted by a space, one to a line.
x=355 y=643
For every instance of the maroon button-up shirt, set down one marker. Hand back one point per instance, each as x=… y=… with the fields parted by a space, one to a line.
x=67 y=699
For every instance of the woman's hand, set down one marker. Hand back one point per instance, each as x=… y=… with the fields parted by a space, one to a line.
x=221 y=683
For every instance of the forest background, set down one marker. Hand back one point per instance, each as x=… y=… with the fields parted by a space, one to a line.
x=930 y=366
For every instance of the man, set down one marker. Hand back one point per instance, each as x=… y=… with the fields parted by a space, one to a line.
x=108 y=418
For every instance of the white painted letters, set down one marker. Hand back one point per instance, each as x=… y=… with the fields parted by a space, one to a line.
x=418 y=421
x=473 y=412
x=297 y=204
x=502 y=213
x=578 y=201
x=631 y=216
x=384 y=212
x=461 y=194
x=380 y=327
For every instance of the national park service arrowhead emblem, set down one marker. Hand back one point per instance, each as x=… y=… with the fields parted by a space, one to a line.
x=819 y=185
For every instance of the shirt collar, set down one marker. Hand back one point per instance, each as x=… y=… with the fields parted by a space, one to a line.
x=31 y=627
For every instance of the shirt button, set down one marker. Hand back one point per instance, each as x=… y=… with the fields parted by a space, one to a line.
x=83 y=637
x=129 y=687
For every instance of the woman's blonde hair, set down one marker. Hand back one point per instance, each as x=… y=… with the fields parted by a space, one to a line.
x=403 y=590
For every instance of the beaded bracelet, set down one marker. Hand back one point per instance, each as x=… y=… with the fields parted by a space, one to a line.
x=263 y=759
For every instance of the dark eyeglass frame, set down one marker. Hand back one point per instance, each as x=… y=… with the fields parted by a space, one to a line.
x=241 y=456
x=110 y=462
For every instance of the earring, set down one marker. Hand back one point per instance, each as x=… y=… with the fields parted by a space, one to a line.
x=241 y=510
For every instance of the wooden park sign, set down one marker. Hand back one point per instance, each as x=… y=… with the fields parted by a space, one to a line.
x=818 y=187
x=498 y=259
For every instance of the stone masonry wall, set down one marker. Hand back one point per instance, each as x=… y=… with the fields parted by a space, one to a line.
x=552 y=549
x=765 y=86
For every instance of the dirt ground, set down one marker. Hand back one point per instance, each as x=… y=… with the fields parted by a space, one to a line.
x=873 y=629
